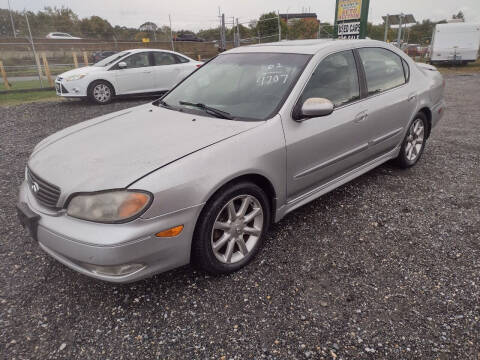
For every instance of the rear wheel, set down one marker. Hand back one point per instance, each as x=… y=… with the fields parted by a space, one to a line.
x=231 y=228
x=414 y=143
x=100 y=92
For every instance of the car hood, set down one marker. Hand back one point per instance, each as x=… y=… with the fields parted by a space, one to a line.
x=115 y=150
x=82 y=71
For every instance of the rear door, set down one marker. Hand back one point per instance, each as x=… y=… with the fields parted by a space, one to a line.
x=391 y=101
x=137 y=77
x=167 y=69
x=321 y=149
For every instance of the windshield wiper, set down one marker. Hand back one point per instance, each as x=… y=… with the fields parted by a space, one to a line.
x=209 y=109
x=163 y=104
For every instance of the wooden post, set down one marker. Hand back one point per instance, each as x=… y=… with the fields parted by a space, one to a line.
x=85 y=58
x=75 y=60
x=47 y=69
x=37 y=61
x=4 y=76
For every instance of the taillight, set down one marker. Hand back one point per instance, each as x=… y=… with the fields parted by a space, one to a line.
x=198 y=65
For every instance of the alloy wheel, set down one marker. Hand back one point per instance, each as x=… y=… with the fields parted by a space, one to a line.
x=415 y=140
x=102 y=93
x=237 y=229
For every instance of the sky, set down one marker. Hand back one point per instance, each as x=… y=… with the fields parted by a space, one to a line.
x=202 y=14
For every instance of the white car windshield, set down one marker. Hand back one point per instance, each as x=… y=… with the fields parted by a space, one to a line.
x=248 y=86
x=111 y=59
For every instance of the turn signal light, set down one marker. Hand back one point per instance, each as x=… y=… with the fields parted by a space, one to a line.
x=174 y=231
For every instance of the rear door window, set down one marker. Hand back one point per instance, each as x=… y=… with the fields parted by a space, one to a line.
x=163 y=58
x=384 y=69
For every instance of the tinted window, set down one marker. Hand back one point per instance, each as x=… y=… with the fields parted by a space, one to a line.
x=161 y=58
x=137 y=60
x=181 y=59
x=335 y=79
x=383 y=69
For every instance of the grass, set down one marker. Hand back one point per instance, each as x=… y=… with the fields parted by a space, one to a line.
x=27 y=97
x=467 y=69
x=21 y=85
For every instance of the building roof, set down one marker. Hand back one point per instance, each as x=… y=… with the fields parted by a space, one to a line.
x=298 y=16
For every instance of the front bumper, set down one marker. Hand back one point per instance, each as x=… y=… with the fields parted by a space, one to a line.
x=71 y=88
x=77 y=243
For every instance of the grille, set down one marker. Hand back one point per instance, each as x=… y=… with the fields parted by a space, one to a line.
x=46 y=193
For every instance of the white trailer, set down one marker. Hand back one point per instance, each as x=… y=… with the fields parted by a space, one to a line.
x=455 y=43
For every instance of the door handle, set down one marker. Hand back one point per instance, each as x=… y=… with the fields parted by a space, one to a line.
x=412 y=97
x=147 y=71
x=361 y=117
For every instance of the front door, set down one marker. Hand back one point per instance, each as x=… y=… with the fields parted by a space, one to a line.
x=137 y=77
x=321 y=149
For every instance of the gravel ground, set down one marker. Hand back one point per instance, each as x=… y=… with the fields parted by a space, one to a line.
x=385 y=267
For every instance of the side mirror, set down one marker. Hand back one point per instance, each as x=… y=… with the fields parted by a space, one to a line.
x=122 y=65
x=315 y=107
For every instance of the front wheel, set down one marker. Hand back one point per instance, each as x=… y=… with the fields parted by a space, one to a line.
x=414 y=143
x=231 y=229
x=100 y=92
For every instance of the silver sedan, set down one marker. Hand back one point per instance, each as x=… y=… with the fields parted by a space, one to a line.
x=200 y=174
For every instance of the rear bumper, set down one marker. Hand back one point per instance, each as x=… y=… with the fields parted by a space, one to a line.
x=80 y=244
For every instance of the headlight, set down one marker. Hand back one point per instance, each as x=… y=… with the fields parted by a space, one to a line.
x=113 y=206
x=75 y=77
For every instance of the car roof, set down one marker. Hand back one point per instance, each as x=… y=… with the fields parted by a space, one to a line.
x=146 y=49
x=307 y=46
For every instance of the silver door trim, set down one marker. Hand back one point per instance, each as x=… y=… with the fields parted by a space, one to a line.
x=387 y=136
x=332 y=161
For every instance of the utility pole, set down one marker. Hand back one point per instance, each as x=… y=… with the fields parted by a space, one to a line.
x=171 y=32
x=238 y=35
x=279 y=27
x=37 y=60
x=387 y=20
x=11 y=19
x=222 y=35
x=399 y=38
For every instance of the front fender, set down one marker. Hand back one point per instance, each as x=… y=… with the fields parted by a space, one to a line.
x=192 y=180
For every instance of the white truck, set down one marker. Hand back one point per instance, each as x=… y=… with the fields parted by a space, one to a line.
x=457 y=43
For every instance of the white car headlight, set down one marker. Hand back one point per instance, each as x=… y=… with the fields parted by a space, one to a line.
x=112 y=206
x=75 y=77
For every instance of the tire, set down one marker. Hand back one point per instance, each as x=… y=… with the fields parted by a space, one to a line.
x=101 y=92
x=414 y=142
x=237 y=241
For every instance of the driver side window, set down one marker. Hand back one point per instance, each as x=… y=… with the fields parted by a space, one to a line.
x=335 y=79
x=138 y=60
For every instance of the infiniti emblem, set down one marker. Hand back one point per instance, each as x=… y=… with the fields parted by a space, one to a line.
x=35 y=187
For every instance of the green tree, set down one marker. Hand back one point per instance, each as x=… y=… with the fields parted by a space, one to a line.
x=267 y=26
x=303 y=29
x=96 y=27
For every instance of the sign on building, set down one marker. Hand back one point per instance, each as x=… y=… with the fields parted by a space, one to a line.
x=351 y=18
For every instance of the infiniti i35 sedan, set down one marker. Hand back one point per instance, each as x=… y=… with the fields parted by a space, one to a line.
x=200 y=174
x=130 y=72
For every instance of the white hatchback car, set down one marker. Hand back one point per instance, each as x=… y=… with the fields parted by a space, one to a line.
x=60 y=35
x=139 y=71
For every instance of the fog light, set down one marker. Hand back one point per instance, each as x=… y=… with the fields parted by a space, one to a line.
x=116 y=270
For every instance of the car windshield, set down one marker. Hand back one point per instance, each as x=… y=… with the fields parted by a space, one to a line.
x=111 y=59
x=247 y=86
